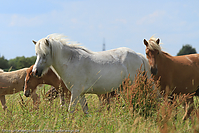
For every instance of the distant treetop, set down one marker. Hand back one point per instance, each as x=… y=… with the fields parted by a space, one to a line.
x=186 y=49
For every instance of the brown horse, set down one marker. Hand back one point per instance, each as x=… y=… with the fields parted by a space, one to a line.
x=13 y=82
x=50 y=78
x=178 y=73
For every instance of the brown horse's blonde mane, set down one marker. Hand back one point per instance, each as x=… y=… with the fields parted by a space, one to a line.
x=29 y=70
x=165 y=53
x=153 y=45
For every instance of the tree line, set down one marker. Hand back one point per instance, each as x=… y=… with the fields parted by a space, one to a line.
x=16 y=63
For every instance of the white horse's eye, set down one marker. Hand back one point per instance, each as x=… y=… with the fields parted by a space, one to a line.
x=44 y=56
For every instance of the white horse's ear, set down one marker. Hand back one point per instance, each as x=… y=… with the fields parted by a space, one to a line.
x=47 y=43
x=146 y=43
x=158 y=41
x=34 y=42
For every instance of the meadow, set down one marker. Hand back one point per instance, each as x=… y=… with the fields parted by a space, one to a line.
x=137 y=109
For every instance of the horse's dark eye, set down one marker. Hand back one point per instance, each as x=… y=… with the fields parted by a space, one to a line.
x=44 y=56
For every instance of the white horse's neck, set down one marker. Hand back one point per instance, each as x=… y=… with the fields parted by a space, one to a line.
x=64 y=55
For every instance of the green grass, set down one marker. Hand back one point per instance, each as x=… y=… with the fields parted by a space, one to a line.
x=52 y=117
x=123 y=116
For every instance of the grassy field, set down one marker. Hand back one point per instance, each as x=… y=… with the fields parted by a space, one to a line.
x=137 y=110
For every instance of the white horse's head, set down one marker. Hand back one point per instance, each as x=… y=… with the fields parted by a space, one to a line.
x=43 y=49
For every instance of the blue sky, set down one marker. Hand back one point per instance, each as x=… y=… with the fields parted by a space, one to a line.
x=123 y=23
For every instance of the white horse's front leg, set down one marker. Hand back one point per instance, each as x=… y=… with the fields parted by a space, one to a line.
x=73 y=101
x=84 y=104
x=3 y=102
x=61 y=96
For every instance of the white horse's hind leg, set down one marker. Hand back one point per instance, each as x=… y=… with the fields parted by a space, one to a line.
x=84 y=104
x=75 y=97
x=3 y=102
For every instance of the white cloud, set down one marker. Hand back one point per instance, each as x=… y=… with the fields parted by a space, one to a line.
x=151 y=18
x=21 y=21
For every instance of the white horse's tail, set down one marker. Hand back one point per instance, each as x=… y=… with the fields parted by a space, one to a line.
x=146 y=65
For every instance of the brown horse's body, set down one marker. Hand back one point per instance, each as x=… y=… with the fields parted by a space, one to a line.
x=180 y=74
x=12 y=82
x=50 y=78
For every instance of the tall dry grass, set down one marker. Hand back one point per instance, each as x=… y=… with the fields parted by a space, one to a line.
x=137 y=108
x=142 y=97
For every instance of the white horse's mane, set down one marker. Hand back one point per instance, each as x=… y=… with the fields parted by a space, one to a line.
x=65 y=41
x=153 y=45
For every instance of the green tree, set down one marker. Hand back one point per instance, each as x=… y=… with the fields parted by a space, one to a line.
x=186 y=49
x=3 y=63
x=21 y=62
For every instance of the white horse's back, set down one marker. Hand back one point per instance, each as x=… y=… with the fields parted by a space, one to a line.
x=103 y=71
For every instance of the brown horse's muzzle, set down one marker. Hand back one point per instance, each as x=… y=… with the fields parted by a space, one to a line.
x=154 y=70
x=37 y=73
x=27 y=93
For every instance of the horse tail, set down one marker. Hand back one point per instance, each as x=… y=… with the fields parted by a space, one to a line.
x=145 y=65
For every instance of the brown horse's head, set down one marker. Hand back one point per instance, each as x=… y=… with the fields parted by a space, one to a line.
x=152 y=52
x=31 y=82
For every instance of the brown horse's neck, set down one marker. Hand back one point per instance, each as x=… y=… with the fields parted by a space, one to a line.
x=163 y=59
x=51 y=79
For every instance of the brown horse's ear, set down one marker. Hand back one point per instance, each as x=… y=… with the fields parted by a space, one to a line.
x=158 y=41
x=146 y=43
x=34 y=42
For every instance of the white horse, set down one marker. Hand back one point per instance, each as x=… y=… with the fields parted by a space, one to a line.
x=84 y=71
